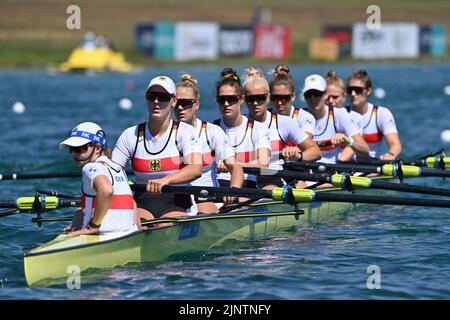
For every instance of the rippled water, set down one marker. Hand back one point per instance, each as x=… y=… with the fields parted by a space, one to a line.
x=326 y=261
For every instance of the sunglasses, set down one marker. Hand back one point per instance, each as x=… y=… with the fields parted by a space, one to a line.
x=233 y=99
x=358 y=90
x=310 y=93
x=80 y=149
x=280 y=97
x=185 y=103
x=160 y=96
x=256 y=99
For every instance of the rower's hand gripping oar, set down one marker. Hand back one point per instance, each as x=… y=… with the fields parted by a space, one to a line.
x=349 y=182
x=293 y=196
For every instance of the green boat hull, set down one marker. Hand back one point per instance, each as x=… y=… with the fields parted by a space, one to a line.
x=58 y=258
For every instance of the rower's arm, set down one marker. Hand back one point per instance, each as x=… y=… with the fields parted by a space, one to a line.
x=190 y=172
x=262 y=159
x=104 y=193
x=359 y=145
x=346 y=154
x=310 y=151
x=237 y=174
x=394 y=145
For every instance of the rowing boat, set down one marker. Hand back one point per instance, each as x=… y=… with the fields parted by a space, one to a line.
x=262 y=219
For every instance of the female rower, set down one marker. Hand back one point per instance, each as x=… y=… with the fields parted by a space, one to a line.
x=336 y=95
x=333 y=125
x=162 y=152
x=282 y=129
x=282 y=97
x=249 y=138
x=215 y=143
x=378 y=122
x=107 y=200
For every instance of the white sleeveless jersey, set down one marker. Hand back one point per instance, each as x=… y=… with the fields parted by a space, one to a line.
x=336 y=120
x=156 y=158
x=119 y=217
x=245 y=139
x=304 y=119
x=377 y=122
x=282 y=130
x=215 y=147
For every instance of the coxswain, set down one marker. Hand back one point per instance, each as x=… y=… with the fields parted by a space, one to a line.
x=107 y=203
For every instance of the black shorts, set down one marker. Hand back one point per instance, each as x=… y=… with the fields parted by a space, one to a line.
x=269 y=180
x=247 y=183
x=159 y=204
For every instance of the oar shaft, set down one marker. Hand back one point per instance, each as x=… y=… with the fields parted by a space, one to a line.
x=288 y=174
x=8 y=212
x=21 y=176
x=376 y=184
x=357 y=198
x=8 y=204
x=210 y=191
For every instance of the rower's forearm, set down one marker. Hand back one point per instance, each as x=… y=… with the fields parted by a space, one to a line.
x=103 y=201
x=237 y=176
x=395 y=150
x=189 y=173
x=311 y=154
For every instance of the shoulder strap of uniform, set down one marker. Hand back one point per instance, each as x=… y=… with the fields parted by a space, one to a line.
x=205 y=127
x=331 y=115
x=375 y=110
x=140 y=136
x=251 y=125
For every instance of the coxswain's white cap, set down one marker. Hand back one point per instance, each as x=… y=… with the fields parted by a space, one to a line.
x=164 y=82
x=84 y=133
x=314 y=82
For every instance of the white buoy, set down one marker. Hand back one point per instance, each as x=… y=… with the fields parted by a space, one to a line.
x=447 y=90
x=18 y=107
x=379 y=93
x=125 y=104
x=445 y=136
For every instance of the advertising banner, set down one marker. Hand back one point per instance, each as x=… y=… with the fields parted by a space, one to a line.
x=391 y=40
x=196 y=40
x=341 y=33
x=164 y=41
x=145 y=38
x=235 y=40
x=272 y=41
x=438 y=40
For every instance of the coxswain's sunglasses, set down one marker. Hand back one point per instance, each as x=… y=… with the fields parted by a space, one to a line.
x=358 y=90
x=80 y=149
x=160 y=96
x=280 y=97
x=310 y=93
x=256 y=99
x=231 y=99
x=185 y=103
